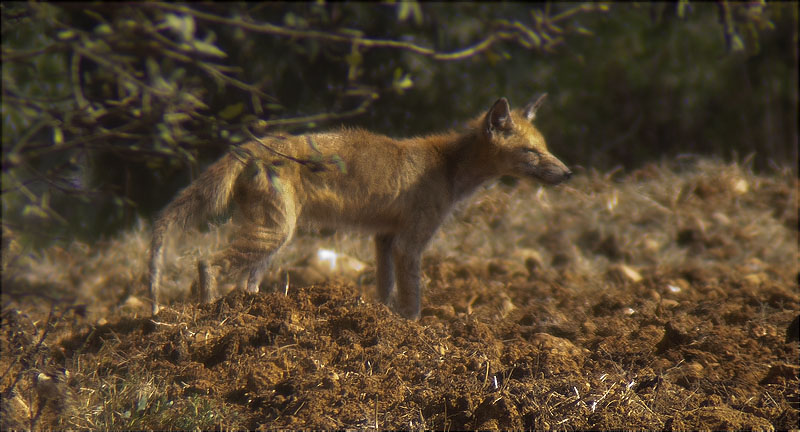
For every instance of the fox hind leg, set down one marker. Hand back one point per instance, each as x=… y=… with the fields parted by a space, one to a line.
x=206 y=283
x=249 y=255
x=267 y=223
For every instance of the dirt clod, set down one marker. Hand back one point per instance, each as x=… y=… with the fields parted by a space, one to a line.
x=600 y=305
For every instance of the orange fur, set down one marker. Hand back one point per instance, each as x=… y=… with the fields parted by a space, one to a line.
x=398 y=189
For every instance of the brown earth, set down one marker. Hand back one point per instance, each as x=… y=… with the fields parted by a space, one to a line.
x=662 y=300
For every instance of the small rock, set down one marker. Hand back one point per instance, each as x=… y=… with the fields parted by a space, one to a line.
x=781 y=373
x=133 y=302
x=531 y=258
x=695 y=367
x=626 y=273
x=719 y=418
x=680 y=283
x=507 y=306
x=740 y=186
x=330 y=381
x=328 y=262
x=506 y=268
x=673 y=288
x=690 y=374
x=655 y=296
x=651 y=245
x=721 y=218
x=444 y=312
x=669 y=303
x=756 y=278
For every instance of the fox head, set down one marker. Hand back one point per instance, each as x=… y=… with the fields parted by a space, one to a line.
x=518 y=148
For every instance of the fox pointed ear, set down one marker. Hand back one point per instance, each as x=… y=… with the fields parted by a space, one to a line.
x=499 y=116
x=530 y=110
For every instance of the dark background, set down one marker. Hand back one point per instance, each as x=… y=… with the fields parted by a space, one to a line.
x=109 y=108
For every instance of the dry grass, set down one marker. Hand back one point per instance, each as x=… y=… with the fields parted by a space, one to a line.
x=723 y=212
x=671 y=218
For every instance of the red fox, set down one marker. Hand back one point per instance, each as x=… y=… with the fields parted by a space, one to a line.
x=398 y=189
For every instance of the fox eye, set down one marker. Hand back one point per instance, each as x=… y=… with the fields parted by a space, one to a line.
x=531 y=150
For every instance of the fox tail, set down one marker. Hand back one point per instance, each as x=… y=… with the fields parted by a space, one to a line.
x=208 y=196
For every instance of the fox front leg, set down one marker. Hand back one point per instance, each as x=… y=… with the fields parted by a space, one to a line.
x=385 y=266
x=409 y=282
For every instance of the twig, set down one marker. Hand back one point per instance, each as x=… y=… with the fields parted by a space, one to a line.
x=338 y=37
x=323 y=116
x=12 y=55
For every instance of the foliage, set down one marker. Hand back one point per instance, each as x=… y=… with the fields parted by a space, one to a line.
x=107 y=107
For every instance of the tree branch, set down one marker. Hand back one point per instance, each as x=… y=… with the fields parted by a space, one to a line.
x=338 y=37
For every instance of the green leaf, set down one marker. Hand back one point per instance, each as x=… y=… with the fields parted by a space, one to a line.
x=402 y=83
x=682 y=8
x=737 y=45
x=103 y=29
x=58 y=136
x=13 y=159
x=174 y=22
x=232 y=111
x=409 y=8
x=312 y=144
x=208 y=48
x=184 y=25
x=403 y=10
x=176 y=117
x=153 y=68
x=417 y=13
x=32 y=210
x=66 y=34
x=142 y=403
x=340 y=163
x=583 y=30
x=355 y=58
x=531 y=35
x=193 y=100
x=290 y=20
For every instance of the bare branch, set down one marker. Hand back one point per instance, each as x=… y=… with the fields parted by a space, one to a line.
x=16 y=55
x=363 y=42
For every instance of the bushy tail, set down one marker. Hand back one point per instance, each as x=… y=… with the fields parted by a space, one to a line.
x=208 y=196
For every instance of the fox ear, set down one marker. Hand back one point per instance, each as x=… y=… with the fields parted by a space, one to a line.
x=499 y=116
x=530 y=110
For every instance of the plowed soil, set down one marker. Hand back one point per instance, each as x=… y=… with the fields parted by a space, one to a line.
x=664 y=299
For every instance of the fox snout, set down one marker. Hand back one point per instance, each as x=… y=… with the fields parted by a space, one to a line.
x=550 y=170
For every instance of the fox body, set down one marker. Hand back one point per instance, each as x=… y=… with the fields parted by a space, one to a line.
x=398 y=189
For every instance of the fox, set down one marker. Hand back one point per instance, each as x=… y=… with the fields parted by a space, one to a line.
x=399 y=190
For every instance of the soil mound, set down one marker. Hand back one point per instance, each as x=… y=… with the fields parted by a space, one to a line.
x=668 y=300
